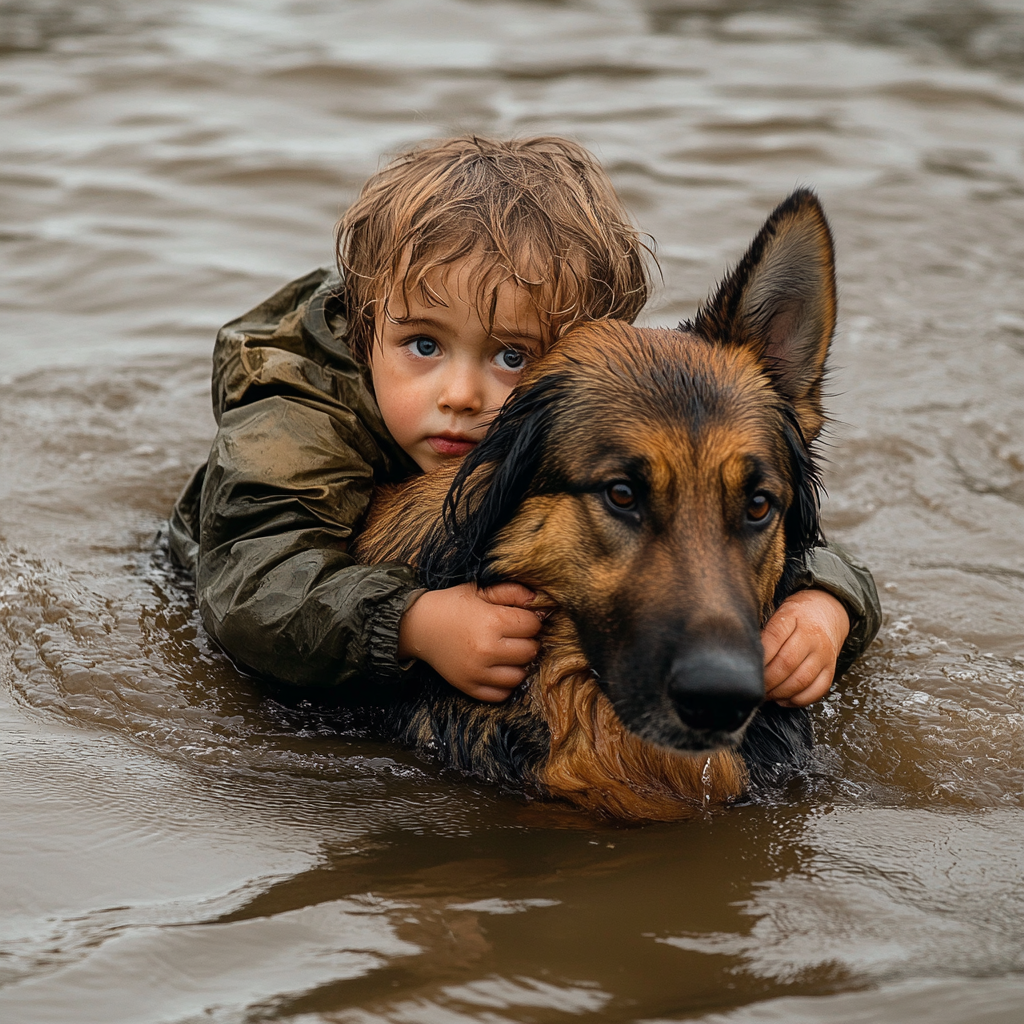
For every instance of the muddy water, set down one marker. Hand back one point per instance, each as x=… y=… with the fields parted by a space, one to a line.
x=178 y=846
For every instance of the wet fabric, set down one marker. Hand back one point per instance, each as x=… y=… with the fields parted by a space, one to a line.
x=266 y=524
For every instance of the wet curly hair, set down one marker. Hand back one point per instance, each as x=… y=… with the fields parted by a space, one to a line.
x=540 y=212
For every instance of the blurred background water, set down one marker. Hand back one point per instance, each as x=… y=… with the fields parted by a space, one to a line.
x=177 y=845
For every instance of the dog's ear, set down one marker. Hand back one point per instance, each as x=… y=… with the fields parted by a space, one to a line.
x=781 y=301
x=491 y=483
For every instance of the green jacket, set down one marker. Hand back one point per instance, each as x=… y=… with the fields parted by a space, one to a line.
x=265 y=525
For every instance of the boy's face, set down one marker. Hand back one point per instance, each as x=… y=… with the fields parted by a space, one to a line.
x=440 y=375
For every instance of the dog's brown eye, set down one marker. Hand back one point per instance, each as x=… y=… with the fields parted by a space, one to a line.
x=758 y=509
x=621 y=496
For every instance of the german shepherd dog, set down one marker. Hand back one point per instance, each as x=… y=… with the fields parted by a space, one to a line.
x=658 y=488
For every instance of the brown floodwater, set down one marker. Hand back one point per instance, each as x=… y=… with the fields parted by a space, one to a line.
x=177 y=845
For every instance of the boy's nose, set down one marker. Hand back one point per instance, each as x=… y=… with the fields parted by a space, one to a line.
x=462 y=392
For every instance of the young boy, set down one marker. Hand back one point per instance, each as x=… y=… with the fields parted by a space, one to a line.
x=461 y=262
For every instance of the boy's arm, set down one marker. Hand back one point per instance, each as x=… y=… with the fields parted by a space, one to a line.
x=831 y=568
x=265 y=526
x=274 y=583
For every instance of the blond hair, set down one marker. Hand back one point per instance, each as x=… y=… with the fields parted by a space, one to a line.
x=539 y=211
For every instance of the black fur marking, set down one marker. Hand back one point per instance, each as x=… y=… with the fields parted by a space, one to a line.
x=505 y=744
x=777 y=741
x=802 y=522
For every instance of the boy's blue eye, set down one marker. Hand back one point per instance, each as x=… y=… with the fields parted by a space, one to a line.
x=425 y=346
x=511 y=359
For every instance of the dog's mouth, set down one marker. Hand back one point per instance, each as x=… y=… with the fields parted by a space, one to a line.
x=715 y=717
x=669 y=731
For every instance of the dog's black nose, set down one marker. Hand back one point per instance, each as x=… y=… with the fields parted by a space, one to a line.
x=716 y=690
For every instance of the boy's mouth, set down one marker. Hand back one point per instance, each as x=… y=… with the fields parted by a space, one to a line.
x=451 y=444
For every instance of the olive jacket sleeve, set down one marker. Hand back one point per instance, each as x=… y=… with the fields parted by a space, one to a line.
x=265 y=525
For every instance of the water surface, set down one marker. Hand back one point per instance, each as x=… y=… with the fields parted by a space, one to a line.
x=179 y=846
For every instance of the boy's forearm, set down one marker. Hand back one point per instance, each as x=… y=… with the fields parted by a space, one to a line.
x=275 y=583
x=304 y=614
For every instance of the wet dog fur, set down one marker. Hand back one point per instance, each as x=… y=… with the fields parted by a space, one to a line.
x=659 y=489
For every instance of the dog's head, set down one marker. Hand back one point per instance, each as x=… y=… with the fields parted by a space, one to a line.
x=660 y=486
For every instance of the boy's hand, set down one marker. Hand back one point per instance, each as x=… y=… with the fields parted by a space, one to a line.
x=802 y=641
x=480 y=641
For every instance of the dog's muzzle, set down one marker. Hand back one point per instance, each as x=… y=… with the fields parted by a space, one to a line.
x=716 y=690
